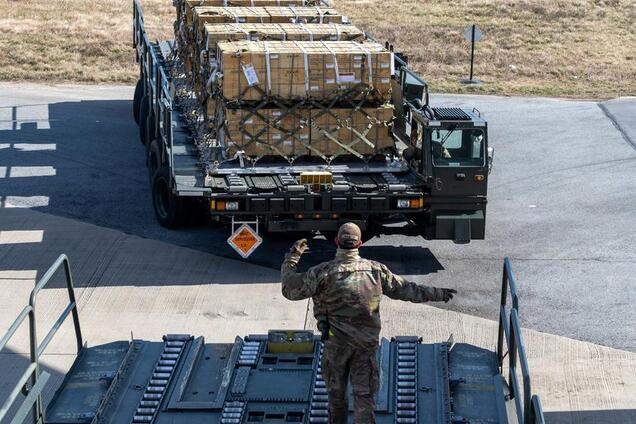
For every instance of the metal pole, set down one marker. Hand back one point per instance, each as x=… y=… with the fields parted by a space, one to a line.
x=472 y=52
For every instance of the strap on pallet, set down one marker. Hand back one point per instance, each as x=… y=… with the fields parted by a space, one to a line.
x=306 y=65
x=335 y=62
x=369 y=62
x=320 y=13
x=234 y=15
x=268 y=69
x=311 y=34
x=296 y=17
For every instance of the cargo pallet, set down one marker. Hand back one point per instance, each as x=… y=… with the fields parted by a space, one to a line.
x=271 y=378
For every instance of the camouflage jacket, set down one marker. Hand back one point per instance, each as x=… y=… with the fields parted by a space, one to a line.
x=348 y=290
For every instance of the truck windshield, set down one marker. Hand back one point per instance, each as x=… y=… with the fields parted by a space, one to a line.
x=458 y=147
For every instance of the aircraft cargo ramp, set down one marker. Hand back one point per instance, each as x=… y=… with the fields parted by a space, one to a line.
x=273 y=378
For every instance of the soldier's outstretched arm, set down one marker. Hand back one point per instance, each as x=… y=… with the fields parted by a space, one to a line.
x=398 y=288
x=297 y=285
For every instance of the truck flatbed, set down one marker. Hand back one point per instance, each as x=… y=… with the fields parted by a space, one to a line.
x=435 y=192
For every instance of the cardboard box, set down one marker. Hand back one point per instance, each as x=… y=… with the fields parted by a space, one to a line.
x=184 y=7
x=303 y=69
x=270 y=132
x=365 y=131
x=215 y=33
x=263 y=15
x=306 y=132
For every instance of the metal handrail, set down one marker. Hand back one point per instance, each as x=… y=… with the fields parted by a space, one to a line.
x=32 y=374
x=528 y=408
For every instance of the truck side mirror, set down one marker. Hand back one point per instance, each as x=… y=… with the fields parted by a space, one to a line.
x=491 y=155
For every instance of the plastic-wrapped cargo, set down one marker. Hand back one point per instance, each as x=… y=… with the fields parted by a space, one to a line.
x=292 y=133
x=295 y=70
x=263 y=15
x=184 y=7
x=216 y=33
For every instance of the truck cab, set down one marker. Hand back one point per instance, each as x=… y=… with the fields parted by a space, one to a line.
x=448 y=148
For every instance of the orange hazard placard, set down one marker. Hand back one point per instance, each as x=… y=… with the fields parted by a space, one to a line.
x=244 y=240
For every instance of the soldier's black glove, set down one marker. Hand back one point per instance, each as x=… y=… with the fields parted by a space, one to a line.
x=447 y=294
x=299 y=247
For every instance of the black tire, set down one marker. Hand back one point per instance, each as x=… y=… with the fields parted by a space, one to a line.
x=139 y=93
x=155 y=158
x=168 y=207
x=144 y=111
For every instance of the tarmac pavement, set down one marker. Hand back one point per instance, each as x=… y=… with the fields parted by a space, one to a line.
x=561 y=201
x=561 y=205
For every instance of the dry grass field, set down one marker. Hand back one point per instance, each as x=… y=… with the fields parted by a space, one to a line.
x=572 y=48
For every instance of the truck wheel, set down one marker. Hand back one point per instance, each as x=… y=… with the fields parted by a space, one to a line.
x=144 y=109
x=168 y=207
x=139 y=93
x=155 y=158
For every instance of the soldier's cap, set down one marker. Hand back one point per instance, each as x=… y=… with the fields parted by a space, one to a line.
x=349 y=236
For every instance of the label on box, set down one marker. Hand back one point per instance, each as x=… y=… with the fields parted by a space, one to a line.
x=314 y=88
x=386 y=80
x=348 y=77
x=250 y=74
x=330 y=81
x=392 y=64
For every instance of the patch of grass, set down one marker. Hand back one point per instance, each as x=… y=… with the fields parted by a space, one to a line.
x=572 y=48
x=75 y=40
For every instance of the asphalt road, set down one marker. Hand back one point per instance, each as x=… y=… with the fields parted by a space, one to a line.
x=562 y=201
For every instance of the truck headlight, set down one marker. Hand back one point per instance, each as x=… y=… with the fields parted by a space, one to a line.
x=403 y=203
x=231 y=206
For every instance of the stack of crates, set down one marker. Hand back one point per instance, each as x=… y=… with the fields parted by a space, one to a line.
x=286 y=78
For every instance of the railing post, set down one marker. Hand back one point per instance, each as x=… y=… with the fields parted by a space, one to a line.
x=504 y=297
x=71 y=295
x=36 y=410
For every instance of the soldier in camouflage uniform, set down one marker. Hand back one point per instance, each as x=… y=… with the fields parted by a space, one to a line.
x=346 y=293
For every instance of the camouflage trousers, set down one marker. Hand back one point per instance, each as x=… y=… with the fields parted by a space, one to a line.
x=341 y=362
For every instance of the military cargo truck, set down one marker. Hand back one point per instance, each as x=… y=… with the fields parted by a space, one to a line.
x=272 y=379
x=421 y=170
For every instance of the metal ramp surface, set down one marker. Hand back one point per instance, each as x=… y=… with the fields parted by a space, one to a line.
x=185 y=380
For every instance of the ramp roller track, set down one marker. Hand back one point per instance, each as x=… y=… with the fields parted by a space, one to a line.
x=162 y=375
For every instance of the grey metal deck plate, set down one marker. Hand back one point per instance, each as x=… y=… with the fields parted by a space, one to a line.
x=273 y=388
x=86 y=384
